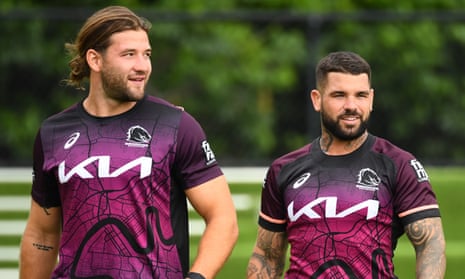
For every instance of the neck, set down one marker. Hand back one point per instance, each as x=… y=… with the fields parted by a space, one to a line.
x=331 y=145
x=106 y=107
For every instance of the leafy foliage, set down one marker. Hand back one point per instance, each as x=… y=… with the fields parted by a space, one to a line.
x=244 y=69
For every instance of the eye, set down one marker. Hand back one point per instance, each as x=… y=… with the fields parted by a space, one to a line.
x=338 y=94
x=363 y=94
x=128 y=54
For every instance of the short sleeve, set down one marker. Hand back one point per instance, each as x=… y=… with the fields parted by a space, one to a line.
x=272 y=214
x=44 y=186
x=414 y=198
x=195 y=161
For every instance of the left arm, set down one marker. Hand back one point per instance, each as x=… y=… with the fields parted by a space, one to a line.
x=212 y=200
x=427 y=237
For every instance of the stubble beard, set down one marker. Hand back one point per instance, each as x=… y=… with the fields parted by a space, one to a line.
x=335 y=128
x=115 y=87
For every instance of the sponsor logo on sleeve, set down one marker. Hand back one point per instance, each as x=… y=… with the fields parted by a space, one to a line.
x=209 y=155
x=422 y=175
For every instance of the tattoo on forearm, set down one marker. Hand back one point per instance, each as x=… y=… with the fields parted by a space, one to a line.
x=42 y=247
x=271 y=264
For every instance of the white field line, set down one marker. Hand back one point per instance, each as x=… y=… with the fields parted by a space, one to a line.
x=454 y=249
x=233 y=174
x=9 y=273
x=15 y=203
x=242 y=202
x=22 y=203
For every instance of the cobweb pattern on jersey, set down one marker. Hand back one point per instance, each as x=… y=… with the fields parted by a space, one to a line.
x=345 y=247
x=119 y=227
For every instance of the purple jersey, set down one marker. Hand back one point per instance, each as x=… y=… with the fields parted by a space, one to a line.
x=120 y=183
x=341 y=213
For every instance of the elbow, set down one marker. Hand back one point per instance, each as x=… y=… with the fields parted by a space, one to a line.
x=235 y=232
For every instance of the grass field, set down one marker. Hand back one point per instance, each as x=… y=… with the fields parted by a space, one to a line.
x=449 y=184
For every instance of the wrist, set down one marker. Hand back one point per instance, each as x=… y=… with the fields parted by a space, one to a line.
x=195 y=275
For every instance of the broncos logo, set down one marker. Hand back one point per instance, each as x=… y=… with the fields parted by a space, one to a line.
x=138 y=134
x=368 y=179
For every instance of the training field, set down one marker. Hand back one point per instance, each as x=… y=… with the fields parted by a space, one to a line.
x=449 y=184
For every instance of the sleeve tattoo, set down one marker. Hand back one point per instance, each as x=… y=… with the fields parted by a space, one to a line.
x=427 y=238
x=267 y=261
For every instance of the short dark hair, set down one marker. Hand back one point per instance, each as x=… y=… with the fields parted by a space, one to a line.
x=341 y=62
x=95 y=34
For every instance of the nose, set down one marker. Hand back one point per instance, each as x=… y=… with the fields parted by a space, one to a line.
x=142 y=63
x=350 y=103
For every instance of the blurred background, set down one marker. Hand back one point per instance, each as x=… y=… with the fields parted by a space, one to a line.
x=244 y=69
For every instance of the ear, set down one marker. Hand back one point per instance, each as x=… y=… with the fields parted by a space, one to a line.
x=372 y=97
x=315 y=95
x=94 y=60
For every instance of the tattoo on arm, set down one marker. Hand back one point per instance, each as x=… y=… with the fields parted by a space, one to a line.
x=271 y=263
x=427 y=237
x=46 y=211
x=42 y=247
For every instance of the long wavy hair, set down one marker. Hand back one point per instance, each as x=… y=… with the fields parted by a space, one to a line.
x=95 y=34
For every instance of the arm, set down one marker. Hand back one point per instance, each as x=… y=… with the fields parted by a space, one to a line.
x=267 y=260
x=39 y=244
x=427 y=237
x=212 y=200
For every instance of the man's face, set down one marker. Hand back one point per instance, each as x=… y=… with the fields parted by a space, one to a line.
x=126 y=66
x=345 y=105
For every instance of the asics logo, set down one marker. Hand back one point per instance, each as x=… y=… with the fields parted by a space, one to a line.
x=302 y=179
x=72 y=140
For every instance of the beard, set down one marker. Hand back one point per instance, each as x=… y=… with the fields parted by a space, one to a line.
x=115 y=87
x=341 y=133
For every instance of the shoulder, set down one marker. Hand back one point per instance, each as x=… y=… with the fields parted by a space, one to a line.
x=62 y=116
x=408 y=168
x=152 y=101
x=395 y=153
x=292 y=156
x=289 y=162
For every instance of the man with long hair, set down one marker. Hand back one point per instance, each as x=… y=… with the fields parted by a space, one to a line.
x=112 y=172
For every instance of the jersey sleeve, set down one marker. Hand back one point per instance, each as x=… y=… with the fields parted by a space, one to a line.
x=195 y=159
x=415 y=198
x=44 y=186
x=272 y=214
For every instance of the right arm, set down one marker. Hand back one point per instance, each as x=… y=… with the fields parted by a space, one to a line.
x=269 y=253
x=40 y=241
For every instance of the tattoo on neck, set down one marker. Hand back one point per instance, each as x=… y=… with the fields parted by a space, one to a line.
x=325 y=142
x=42 y=247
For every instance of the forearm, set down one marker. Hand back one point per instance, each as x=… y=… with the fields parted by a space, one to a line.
x=428 y=239
x=262 y=267
x=215 y=246
x=37 y=258
x=268 y=257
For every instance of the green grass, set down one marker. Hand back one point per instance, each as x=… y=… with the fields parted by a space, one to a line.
x=449 y=184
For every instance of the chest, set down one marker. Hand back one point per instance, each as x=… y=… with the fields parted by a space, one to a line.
x=338 y=190
x=120 y=148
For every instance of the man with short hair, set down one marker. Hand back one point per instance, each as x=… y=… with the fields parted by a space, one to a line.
x=343 y=200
